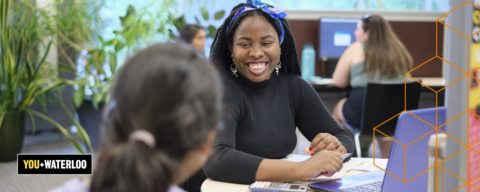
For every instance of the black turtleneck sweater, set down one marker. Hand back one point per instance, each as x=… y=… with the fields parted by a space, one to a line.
x=259 y=122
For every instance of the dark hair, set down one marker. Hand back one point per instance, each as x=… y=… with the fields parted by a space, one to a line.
x=174 y=93
x=384 y=52
x=188 y=32
x=221 y=56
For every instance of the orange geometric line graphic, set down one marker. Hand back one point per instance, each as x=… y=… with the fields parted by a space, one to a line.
x=420 y=83
x=453 y=82
x=420 y=137
x=473 y=185
x=437 y=127
x=453 y=29
x=453 y=138
x=452 y=173
x=452 y=65
x=453 y=119
x=451 y=156
x=460 y=187
x=453 y=10
x=421 y=119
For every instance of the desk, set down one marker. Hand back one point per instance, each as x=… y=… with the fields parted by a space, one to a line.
x=435 y=83
x=217 y=186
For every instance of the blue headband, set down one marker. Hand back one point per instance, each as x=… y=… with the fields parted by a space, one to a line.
x=277 y=14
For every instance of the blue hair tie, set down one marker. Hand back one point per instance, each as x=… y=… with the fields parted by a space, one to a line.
x=277 y=14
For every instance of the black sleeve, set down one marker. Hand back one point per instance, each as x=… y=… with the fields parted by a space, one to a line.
x=226 y=163
x=312 y=117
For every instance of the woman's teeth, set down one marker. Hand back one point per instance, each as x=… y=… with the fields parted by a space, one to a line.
x=257 y=66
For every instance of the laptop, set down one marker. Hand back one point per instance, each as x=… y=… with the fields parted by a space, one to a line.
x=409 y=129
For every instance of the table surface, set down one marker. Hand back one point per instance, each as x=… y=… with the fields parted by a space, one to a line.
x=435 y=83
x=217 y=186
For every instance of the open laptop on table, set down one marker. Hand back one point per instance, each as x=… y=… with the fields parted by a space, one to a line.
x=409 y=130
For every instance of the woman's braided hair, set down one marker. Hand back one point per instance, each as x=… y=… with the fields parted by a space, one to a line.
x=221 y=56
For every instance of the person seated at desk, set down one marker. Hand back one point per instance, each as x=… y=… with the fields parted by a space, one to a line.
x=194 y=35
x=378 y=55
x=160 y=124
x=263 y=105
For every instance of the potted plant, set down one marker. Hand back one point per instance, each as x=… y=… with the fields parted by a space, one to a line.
x=24 y=78
x=101 y=58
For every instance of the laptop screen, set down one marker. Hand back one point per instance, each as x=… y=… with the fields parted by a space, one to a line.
x=414 y=134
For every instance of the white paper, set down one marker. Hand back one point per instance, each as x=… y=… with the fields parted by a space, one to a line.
x=322 y=81
x=342 y=38
x=371 y=167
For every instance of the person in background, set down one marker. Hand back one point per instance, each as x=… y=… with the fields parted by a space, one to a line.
x=160 y=123
x=377 y=55
x=265 y=100
x=195 y=35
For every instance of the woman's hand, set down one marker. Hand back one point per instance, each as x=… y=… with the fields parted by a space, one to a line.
x=325 y=141
x=324 y=163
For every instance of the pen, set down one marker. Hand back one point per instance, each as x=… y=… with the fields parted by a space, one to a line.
x=344 y=156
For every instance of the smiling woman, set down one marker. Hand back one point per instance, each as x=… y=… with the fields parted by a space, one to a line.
x=265 y=100
x=255 y=48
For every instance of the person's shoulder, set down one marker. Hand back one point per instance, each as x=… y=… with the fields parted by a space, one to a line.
x=74 y=185
x=294 y=81
x=232 y=89
x=229 y=84
x=355 y=46
x=174 y=188
x=290 y=77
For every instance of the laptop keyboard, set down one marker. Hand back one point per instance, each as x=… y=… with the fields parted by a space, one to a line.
x=368 y=186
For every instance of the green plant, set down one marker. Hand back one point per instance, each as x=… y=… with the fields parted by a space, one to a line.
x=206 y=16
x=24 y=77
x=139 y=28
x=179 y=22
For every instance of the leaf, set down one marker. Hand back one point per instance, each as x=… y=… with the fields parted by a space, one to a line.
x=65 y=67
x=212 y=30
x=101 y=39
x=130 y=11
x=80 y=129
x=2 y=115
x=97 y=98
x=113 y=62
x=219 y=15
x=78 y=96
x=198 y=21
x=32 y=121
x=42 y=60
x=205 y=14
x=99 y=60
x=60 y=127
x=117 y=32
x=20 y=49
x=170 y=34
x=179 y=22
x=30 y=70
x=110 y=42
x=119 y=46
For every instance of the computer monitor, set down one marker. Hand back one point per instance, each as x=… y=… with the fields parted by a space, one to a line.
x=336 y=34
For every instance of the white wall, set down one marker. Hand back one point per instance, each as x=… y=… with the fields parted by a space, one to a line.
x=52 y=56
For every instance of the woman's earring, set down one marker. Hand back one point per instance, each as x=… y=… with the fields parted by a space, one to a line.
x=277 y=68
x=234 y=70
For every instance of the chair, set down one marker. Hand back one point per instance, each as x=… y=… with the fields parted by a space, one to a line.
x=383 y=100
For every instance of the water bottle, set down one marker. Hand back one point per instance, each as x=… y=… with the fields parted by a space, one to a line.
x=308 y=62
